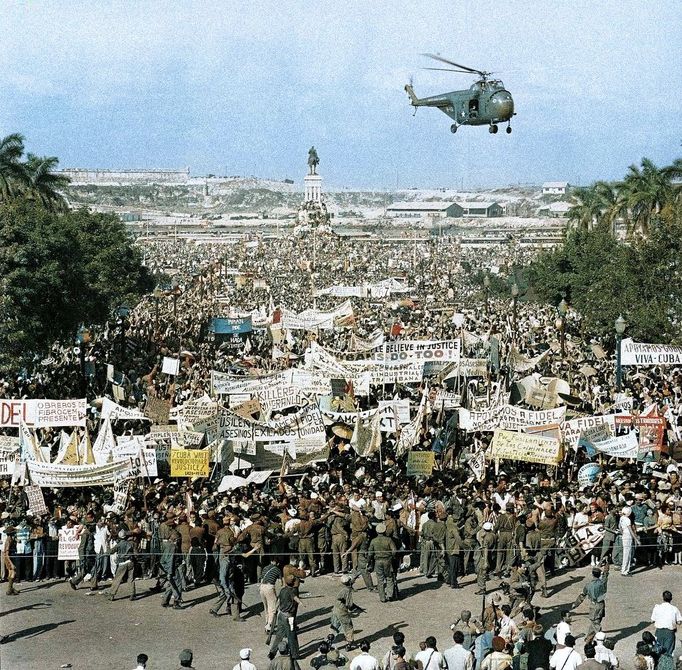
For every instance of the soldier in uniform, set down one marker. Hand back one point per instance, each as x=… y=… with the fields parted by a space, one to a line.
x=9 y=549
x=341 y=619
x=595 y=591
x=433 y=539
x=359 y=546
x=536 y=557
x=170 y=560
x=610 y=532
x=469 y=544
x=381 y=552
x=255 y=534
x=504 y=529
x=338 y=528
x=486 y=544
x=453 y=542
x=470 y=629
x=306 y=541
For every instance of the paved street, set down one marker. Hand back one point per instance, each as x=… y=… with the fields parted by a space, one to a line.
x=49 y=625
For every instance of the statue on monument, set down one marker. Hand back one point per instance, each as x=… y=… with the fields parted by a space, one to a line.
x=313 y=160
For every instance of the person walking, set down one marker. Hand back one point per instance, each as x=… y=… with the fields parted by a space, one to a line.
x=269 y=578
x=125 y=567
x=666 y=617
x=341 y=619
x=9 y=548
x=382 y=551
x=595 y=591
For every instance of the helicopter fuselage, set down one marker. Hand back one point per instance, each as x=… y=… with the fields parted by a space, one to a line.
x=486 y=102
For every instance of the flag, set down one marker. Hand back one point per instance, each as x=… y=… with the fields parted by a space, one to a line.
x=27 y=445
x=477 y=465
x=70 y=455
x=366 y=439
x=409 y=435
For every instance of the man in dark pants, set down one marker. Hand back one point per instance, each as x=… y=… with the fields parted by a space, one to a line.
x=666 y=617
x=381 y=552
x=125 y=567
x=595 y=592
x=453 y=542
x=285 y=621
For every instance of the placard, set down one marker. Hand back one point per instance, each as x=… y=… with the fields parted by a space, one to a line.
x=420 y=463
x=171 y=366
x=67 y=548
x=189 y=463
x=524 y=447
x=36 y=501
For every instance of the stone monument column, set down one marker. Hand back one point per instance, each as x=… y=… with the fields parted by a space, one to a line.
x=313 y=188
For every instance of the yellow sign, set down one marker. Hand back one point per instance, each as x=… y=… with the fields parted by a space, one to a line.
x=189 y=462
x=420 y=463
x=524 y=447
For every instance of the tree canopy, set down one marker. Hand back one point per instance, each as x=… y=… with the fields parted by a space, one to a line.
x=58 y=267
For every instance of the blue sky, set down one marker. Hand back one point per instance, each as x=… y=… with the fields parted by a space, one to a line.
x=245 y=88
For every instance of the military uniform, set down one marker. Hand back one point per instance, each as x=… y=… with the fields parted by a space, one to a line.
x=339 y=533
x=469 y=544
x=170 y=559
x=486 y=544
x=433 y=542
x=381 y=552
x=595 y=592
x=306 y=543
x=341 y=621
x=536 y=555
x=453 y=542
x=610 y=532
x=504 y=527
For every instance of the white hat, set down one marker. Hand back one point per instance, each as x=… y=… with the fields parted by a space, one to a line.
x=378 y=494
x=244 y=654
x=313 y=496
x=487 y=526
x=627 y=511
x=397 y=507
x=600 y=636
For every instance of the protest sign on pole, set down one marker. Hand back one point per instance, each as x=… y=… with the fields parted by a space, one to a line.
x=189 y=463
x=420 y=463
x=171 y=366
x=36 y=501
x=524 y=447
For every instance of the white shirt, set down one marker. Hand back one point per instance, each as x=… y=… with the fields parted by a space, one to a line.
x=603 y=654
x=624 y=526
x=458 y=658
x=364 y=661
x=244 y=665
x=430 y=659
x=566 y=658
x=666 y=615
x=101 y=539
x=562 y=630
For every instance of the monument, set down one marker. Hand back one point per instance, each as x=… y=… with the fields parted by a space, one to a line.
x=313 y=215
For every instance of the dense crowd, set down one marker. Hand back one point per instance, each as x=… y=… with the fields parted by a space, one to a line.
x=360 y=518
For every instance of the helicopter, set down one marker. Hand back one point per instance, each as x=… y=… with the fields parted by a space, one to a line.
x=485 y=102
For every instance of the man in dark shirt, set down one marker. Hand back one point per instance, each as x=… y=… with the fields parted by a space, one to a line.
x=539 y=650
x=285 y=622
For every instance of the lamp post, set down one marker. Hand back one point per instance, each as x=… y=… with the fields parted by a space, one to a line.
x=515 y=298
x=157 y=296
x=486 y=284
x=619 y=326
x=561 y=325
x=176 y=293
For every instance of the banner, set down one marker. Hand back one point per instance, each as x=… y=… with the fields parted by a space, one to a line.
x=36 y=501
x=420 y=463
x=620 y=446
x=67 y=547
x=572 y=429
x=230 y=326
x=651 y=429
x=508 y=417
x=8 y=461
x=637 y=353
x=421 y=351
x=524 y=447
x=57 y=475
x=312 y=319
x=42 y=413
x=575 y=545
x=189 y=463
x=110 y=410
x=588 y=474
x=392 y=415
x=477 y=465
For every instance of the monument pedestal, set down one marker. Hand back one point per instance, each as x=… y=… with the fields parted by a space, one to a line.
x=313 y=188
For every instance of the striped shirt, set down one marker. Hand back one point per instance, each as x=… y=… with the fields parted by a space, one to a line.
x=270 y=575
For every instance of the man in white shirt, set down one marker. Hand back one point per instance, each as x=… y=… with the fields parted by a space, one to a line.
x=563 y=628
x=430 y=658
x=244 y=662
x=141 y=661
x=566 y=658
x=602 y=653
x=665 y=618
x=457 y=657
x=363 y=661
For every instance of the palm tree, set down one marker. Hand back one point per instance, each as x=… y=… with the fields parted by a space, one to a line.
x=43 y=184
x=645 y=192
x=611 y=206
x=587 y=211
x=12 y=171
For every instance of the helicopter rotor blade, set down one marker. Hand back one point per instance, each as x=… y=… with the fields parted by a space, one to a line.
x=449 y=62
x=446 y=69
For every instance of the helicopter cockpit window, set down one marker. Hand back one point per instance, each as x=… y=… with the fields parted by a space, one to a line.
x=473 y=105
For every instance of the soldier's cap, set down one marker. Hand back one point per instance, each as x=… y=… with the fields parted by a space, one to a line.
x=381 y=528
x=186 y=655
x=283 y=647
x=596 y=572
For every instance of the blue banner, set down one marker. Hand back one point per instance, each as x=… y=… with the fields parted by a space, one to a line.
x=228 y=326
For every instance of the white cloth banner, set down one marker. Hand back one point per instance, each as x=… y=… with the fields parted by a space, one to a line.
x=571 y=430
x=621 y=446
x=312 y=319
x=509 y=417
x=638 y=353
x=42 y=413
x=56 y=475
x=111 y=411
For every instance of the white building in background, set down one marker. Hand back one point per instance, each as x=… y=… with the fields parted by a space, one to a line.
x=556 y=210
x=421 y=210
x=555 y=188
x=125 y=177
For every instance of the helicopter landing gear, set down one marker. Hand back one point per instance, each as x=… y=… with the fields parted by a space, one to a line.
x=493 y=128
x=509 y=130
x=453 y=128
